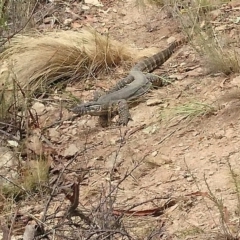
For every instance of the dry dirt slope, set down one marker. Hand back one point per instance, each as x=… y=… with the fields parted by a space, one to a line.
x=177 y=155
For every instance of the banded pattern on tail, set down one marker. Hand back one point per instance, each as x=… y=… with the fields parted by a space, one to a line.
x=149 y=64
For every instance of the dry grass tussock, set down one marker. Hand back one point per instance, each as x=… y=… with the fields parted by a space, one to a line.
x=56 y=55
x=218 y=54
x=196 y=20
x=216 y=47
x=32 y=62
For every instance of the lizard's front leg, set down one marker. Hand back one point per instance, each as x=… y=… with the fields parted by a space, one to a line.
x=123 y=112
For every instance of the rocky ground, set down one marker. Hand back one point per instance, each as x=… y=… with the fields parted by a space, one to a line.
x=173 y=155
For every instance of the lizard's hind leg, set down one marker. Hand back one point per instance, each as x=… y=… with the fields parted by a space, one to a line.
x=154 y=79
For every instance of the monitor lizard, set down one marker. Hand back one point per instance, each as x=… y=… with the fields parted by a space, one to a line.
x=116 y=100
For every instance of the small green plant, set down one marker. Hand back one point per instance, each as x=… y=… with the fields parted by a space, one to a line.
x=189 y=110
x=31 y=178
x=191 y=231
x=2 y=14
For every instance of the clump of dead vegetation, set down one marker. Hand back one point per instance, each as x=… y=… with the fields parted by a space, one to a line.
x=215 y=47
x=34 y=62
x=196 y=18
x=15 y=16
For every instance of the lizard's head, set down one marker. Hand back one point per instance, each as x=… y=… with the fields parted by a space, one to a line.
x=91 y=108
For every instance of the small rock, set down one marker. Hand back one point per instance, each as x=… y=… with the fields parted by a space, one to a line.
x=30 y=231
x=113 y=160
x=178 y=76
x=70 y=151
x=82 y=121
x=6 y=157
x=189 y=179
x=221 y=28
x=60 y=214
x=94 y=2
x=151 y=129
x=85 y=7
x=171 y=40
x=123 y=13
x=74 y=132
x=230 y=133
x=154 y=154
x=12 y=143
x=39 y=108
x=211 y=173
x=76 y=25
x=54 y=134
x=68 y=21
x=154 y=102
